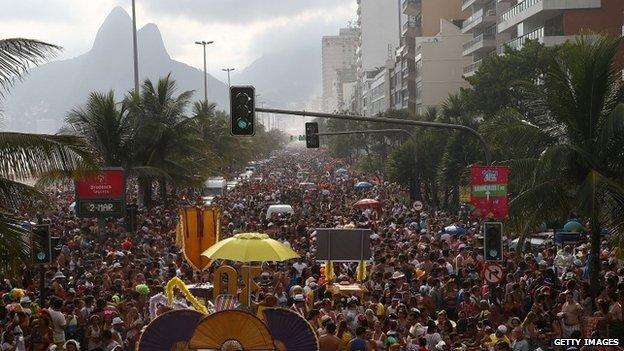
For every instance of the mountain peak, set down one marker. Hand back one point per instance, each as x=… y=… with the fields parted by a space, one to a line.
x=116 y=30
x=151 y=42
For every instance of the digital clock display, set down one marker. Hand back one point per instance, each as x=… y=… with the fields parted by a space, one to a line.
x=101 y=208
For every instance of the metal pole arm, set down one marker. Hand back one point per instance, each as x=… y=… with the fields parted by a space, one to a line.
x=426 y=124
x=369 y=131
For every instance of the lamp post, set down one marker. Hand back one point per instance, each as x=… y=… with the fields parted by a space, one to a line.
x=228 y=70
x=204 y=43
x=135 y=50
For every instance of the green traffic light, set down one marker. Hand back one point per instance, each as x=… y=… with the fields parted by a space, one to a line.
x=242 y=124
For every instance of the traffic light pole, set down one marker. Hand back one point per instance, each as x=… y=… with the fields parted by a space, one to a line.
x=42 y=296
x=426 y=124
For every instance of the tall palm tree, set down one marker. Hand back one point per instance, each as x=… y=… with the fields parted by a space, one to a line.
x=28 y=156
x=164 y=136
x=581 y=103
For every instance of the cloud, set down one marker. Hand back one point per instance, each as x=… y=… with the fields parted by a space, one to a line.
x=239 y=11
x=238 y=43
x=243 y=30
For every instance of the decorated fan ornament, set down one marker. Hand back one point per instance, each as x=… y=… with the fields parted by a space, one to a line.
x=170 y=331
x=290 y=331
x=232 y=328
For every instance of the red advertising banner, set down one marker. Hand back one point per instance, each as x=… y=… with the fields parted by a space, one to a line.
x=107 y=184
x=489 y=190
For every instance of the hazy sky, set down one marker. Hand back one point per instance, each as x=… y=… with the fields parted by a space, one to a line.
x=242 y=29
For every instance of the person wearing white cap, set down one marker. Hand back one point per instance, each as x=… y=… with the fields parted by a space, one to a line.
x=118 y=330
x=499 y=335
x=299 y=304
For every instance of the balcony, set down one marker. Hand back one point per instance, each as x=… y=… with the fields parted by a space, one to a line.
x=482 y=42
x=411 y=7
x=411 y=29
x=540 y=10
x=480 y=19
x=468 y=3
x=471 y=69
x=517 y=43
x=408 y=52
x=548 y=39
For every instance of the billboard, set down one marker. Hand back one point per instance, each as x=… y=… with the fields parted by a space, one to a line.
x=347 y=245
x=107 y=184
x=489 y=190
x=101 y=194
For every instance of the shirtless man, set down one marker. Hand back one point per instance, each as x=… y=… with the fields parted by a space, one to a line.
x=570 y=315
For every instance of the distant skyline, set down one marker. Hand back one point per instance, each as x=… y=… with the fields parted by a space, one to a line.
x=243 y=30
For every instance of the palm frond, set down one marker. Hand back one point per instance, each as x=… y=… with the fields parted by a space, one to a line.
x=17 y=55
x=15 y=244
x=25 y=156
x=12 y=193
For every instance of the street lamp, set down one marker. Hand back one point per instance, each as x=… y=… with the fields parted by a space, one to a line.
x=228 y=70
x=135 y=50
x=204 y=43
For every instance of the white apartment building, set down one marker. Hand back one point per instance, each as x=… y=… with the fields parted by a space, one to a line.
x=338 y=56
x=380 y=31
x=495 y=24
x=439 y=65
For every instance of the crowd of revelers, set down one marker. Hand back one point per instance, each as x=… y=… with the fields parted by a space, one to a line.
x=424 y=288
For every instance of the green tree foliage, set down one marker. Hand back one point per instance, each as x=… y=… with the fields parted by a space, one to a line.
x=24 y=157
x=498 y=82
x=581 y=103
x=158 y=135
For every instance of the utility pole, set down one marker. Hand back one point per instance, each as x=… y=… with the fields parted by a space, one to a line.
x=136 y=52
x=228 y=70
x=204 y=43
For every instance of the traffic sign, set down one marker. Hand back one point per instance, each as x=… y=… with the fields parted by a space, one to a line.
x=493 y=272
x=417 y=205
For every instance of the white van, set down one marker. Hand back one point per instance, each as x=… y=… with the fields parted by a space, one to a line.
x=212 y=188
x=279 y=209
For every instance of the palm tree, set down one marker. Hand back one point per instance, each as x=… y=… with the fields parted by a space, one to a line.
x=106 y=126
x=164 y=136
x=28 y=156
x=580 y=102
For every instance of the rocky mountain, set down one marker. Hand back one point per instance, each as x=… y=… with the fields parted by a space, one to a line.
x=41 y=102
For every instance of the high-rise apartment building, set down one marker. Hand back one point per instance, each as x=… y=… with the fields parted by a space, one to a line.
x=439 y=65
x=481 y=25
x=339 y=66
x=379 y=25
x=422 y=18
x=496 y=23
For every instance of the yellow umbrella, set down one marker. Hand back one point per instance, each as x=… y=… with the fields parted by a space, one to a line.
x=250 y=247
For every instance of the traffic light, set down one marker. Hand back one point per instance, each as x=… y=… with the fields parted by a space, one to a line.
x=242 y=110
x=130 y=220
x=312 y=138
x=42 y=244
x=493 y=241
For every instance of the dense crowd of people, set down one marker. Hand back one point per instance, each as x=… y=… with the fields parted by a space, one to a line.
x=424 y=289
